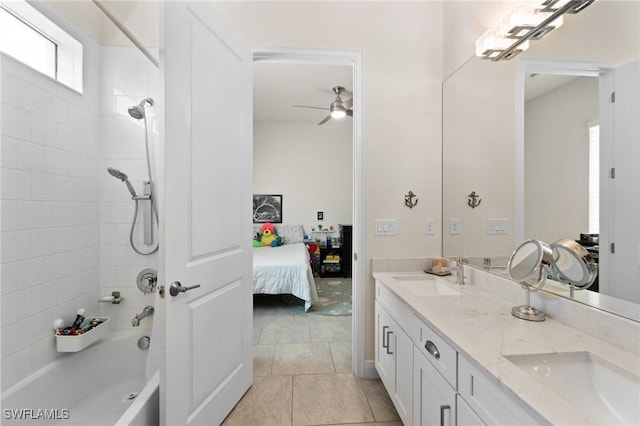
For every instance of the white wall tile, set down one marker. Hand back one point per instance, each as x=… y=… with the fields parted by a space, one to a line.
x=9 y=152
x=31 y=272
x=16 y=245
x=15 y=123
x=9 y=340
x=16 y=184
x=9 y=277
x=8 y=214
x=16 y=307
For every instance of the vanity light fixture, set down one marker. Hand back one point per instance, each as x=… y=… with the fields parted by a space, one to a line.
x=530 y=21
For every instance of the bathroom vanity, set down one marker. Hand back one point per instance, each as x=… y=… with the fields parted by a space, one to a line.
x=453 y=354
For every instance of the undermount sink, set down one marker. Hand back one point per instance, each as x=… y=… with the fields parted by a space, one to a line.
x=426 y=285
x=604 y=392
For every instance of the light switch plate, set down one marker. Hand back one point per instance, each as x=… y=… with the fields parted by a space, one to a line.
x=384 y=227
x=429 y=226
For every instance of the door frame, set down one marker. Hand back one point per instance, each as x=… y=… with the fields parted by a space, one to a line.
x=354 y=59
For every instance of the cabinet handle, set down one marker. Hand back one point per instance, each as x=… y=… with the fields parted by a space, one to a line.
x=384 y=335
x=432 y=349
x=389 y=343
x=442 y=408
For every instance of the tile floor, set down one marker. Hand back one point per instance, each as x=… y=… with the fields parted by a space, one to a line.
x=302 y=373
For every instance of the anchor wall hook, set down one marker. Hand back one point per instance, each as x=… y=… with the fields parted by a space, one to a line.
x=408 y=200
x=474 y=200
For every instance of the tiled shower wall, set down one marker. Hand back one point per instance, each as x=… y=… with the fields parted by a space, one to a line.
x=50 y=255
x=127 y=78
x=65 y=221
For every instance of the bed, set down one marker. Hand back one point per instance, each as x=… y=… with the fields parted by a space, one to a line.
x=284 y=270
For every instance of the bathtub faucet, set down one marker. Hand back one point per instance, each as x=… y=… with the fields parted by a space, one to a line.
x=146 y=312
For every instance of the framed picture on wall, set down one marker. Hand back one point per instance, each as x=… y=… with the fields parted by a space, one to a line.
x=267 y=208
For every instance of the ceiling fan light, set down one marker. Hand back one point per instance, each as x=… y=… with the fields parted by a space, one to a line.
x=337 y=110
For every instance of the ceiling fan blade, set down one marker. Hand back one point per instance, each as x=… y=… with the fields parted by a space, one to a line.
x=348 y=103
x=325 y=120
x=306 y=106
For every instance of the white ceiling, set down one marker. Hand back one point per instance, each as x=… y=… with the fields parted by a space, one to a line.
x=539 y=84
x=278 y=86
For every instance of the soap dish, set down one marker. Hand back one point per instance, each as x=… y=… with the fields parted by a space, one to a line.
x=440 y=274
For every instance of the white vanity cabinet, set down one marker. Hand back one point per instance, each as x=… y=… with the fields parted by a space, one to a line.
x=394 y=362
x=434 y=401
x=486 y=399
x=429 y=382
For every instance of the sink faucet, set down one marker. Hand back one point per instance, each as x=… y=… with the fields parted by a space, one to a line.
x=460 y=261
x=146 y=312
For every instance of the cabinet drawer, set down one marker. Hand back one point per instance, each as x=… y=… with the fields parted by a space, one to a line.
x=443 y=357
x=487 y=400
x=396 y=307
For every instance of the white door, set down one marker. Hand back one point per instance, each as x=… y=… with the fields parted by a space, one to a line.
x=622 y=268
x=207 y=216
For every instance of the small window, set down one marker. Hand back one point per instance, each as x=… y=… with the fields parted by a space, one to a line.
x=594 y=178
x=33 y=39
x=27 y=44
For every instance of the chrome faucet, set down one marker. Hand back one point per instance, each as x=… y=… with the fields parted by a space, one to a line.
x=460 y=261
x=146 y=312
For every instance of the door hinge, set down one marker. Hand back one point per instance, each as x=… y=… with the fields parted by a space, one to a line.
x=613 y=97
x=355 y=256
x=612 y=173
x=613 y=248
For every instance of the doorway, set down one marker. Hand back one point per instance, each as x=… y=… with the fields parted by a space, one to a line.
x=352 y=60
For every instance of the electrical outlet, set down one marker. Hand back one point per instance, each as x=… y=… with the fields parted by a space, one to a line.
x=455 y=226
x=429 y=226
x=384 y=227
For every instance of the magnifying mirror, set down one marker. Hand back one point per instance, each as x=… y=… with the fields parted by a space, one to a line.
x=573 y=264
x=529 y=265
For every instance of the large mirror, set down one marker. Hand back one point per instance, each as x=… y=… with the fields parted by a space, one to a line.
x=529 y=162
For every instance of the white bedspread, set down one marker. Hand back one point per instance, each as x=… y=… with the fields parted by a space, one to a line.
x=284 y=270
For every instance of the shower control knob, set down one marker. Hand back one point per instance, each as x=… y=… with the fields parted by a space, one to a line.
x=176 y=288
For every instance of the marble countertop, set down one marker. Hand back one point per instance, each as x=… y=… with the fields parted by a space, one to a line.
x=480 y=326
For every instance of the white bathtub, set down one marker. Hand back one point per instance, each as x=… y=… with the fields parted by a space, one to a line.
x=91 y=387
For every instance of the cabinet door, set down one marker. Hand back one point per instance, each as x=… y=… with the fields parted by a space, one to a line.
x=403 y=352
x=434 y=401
x=384 y=354
x=465 y=415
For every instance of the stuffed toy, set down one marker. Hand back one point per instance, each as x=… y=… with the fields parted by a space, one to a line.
x=269 y=237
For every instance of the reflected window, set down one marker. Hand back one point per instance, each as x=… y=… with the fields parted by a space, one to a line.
x=594 y=178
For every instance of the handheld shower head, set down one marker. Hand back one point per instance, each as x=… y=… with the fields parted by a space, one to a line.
x=137 y=111
x=119 y=175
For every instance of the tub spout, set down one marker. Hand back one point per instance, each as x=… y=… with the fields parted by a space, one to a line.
x=146 y=312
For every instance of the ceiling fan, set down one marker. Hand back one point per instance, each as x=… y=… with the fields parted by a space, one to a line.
x=338 y=108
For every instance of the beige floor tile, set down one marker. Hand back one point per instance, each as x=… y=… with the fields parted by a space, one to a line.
x=257 y=332
x=331 y=331
x=268 y=402
x=285 y=332
x=379 y=400
x=262 y=359
x=302 y=358
x=341 y=354
x=329 y=399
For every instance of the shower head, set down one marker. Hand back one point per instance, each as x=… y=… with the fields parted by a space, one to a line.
x=137 y=111
x=119 y=175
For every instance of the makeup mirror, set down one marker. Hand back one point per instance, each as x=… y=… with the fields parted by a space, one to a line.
x=529 y=265
x=573 y=265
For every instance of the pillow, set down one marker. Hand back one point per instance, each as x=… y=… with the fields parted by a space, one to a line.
x=291 y=234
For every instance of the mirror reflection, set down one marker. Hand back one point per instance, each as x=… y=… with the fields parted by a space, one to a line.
x=554 y=181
